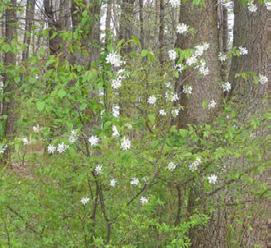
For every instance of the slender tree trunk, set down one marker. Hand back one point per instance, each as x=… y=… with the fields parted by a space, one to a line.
x=9 y=104
x=29 y=15
x=108 y=22
x=141 y=22
x=126 y=20
x=161 y=32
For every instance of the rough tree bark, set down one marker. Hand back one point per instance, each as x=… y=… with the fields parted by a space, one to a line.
x=250 y=31
x=204 y=20
x=9 y=102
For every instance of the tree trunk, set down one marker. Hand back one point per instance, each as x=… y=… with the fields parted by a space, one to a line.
x=29 y=15
x=9 y=103
x=126 y=20
x=161 y=35
x=204 y=20
x=141 y=22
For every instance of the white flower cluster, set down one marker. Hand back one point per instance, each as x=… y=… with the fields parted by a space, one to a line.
x=116 y=111
x=73 y=136
x=98 y=169
x=182 y=28
x=187 y=89
x=268 y=5
x=222 y=57
x=114 y=59
x=93 y=140
x=212 y=179
x=144 y=200
x=36 y=129
x=116 y=83
x=252 y=7
x=175 y=3
x=211 y=104
x=115 y=132
x=25 y=141
x=194 y=166
x=171 y=166
x=3 y=149
x=263 y=79
x=172 y=54
x=125 y=144
x=152 y=100
x=84 y=200
x=243 y=50
x=60 y=148
x=134 y=181
x=226 y=86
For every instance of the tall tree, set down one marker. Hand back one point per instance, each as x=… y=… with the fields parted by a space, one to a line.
x=9 y=103
x=204 y=20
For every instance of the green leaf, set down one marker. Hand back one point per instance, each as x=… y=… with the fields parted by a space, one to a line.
x=40 y=105
x=61 y=93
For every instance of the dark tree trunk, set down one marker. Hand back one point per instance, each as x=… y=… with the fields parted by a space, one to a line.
x=9 y=103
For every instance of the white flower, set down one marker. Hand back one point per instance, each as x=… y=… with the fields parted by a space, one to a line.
x=115 y=132
x=200 y=49
x=175 y=112
x=182 y=28
x=116 y=83
x=212 y=179
x=172 y=54
x=36 y=129
x=113 y=182
x=144 y=200
x=226 y=87
x=179 y=68
x=222 y=57
x=25 y=141
x=243 y=50
x=212 y=104
x=125 y=144
x=162 y=112
x=171 y=166
x=134 y=181
x=168 y=84
x=51 y=149
x=187 y=89
x=252 y=7
x=175 y=3
x=263 y=79
x=203 y=69
x=152 y=100
x=194 y=166
x=84 y=200
x=101 y=92
x=3 y=149
x=114 y=59
x=174 y=97
x=268 y=5
x=192 y=60
x=73 y=137
x=98 y=169
x=62 y=147
x=93 y=140
x=116 y=111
